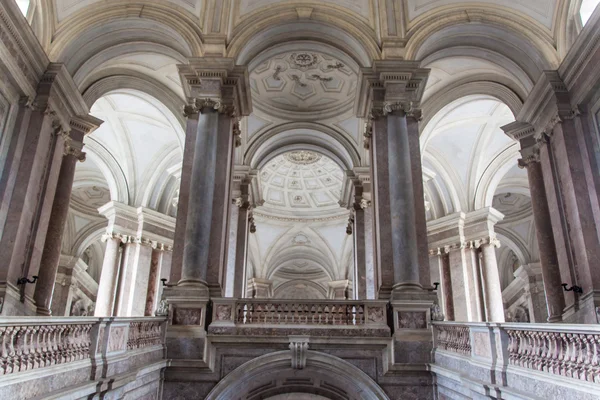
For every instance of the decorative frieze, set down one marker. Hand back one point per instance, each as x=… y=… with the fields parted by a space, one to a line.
x=144 y=334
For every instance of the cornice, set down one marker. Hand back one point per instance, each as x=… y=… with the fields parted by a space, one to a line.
x=389 y=86
x=218 y=83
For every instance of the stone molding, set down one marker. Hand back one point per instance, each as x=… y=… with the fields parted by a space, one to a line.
x=217 y=83
x=391 y=86
x=139 y=225
x=299 y=348
x=463 y=230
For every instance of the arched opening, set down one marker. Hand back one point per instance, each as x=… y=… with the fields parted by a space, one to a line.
x=323 y=376
x=301 y=247
x=116 y=183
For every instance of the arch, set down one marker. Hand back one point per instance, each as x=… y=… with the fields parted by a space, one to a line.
x=302 y=135
x=84 y=33
x=140 y=83
x=333 y=25
x=109 y=166
x=463 y=89
x=518 y=37
x=257 y=375
x=284 y=287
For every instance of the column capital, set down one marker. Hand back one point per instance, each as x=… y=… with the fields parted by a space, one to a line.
x=529 y=155
x=218 y=83
x=391 y=86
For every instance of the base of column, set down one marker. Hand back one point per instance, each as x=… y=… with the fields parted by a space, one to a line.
x=43 y=312
x=11 y=304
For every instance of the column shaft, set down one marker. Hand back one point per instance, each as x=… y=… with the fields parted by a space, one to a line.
x=402 y=204
x=239 y=278
x=446 y=285
x=370 y=253
x=153 y=282
x=548 y=258
x=107 y=287
x=191 y=131
x=419 y=200
x=56 y=227
x=492 y=292
x=200 y=202
x=360 y=265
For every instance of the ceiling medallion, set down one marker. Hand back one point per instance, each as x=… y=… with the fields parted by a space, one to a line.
x=302 y=157
x=303 y=60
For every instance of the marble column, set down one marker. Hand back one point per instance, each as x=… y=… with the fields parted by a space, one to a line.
x=58 y=219
x=369 y=250
x=446 y=284
x=107 y=287
x=360 y=262
x=191 y=114
x=200 y=202
x=555 y=300
x=28 y=182
x=241 y=247
x=492 y=291
x=402 y=204
x=217 y=91
x=154 y=283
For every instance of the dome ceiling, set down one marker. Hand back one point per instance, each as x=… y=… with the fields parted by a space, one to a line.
x=301 y=181
x=303 y=82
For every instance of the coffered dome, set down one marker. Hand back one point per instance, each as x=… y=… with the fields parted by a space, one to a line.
x=301 y=181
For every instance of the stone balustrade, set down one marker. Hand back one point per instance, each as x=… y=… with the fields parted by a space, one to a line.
x=26 y=345
x=34 y=343
x=299 y=314
x=569 y=352
x=454 y=338
x=513 y=357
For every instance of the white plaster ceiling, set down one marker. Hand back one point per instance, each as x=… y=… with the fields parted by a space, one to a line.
x=451 y=70
x=138 y=135
x=303 y=82
x=65 y=8
x=586 y=10
x=159 y=67
x=468 y=153
x=540 y=10
x=361 y=7
x=301 y=182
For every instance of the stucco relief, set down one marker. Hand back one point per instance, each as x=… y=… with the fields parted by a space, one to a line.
x=187 y=316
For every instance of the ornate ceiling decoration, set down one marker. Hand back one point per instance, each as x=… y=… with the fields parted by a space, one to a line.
x=302 y=157
x=88 y=199
x=301 y=181
x=303 y=82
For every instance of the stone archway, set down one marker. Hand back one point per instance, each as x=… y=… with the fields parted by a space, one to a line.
x=322 y=376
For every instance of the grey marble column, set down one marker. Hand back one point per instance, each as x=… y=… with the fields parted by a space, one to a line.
x=200 y=201
x=402 y=205
x=241 y=244
x=191 y=132
x=555 y=299
x=369 y=251
x=360 y=264
x=492 y=292
x=56 y=226
x=105 y=301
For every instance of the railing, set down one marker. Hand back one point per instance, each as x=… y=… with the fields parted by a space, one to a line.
x=556 y=351
x=300 y=313
x=24 y=347
x=325 y=313
x=454 y=338
x=571 y=351
x=33 y=343
x=144 y=334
